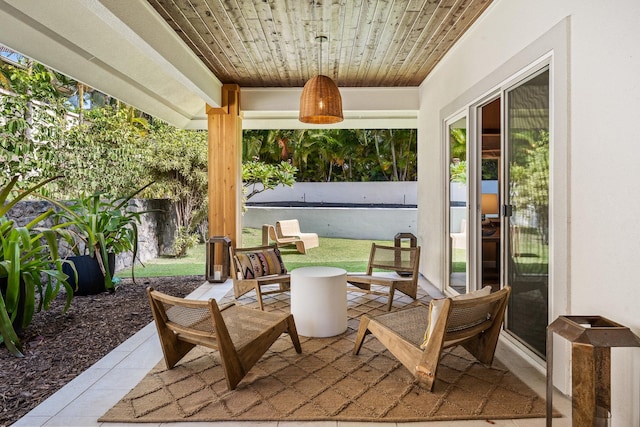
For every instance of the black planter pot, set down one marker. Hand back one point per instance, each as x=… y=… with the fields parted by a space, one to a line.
x=17 y=322
x=90 y=277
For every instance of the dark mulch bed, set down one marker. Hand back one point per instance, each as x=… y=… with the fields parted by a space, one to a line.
x=58 y=347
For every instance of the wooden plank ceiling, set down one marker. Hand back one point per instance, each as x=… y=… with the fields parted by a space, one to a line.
x=272 y=43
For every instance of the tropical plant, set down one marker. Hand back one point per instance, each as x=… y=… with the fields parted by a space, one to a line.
x=259 y=176
x=31 y=125
x=323 y=155
x=458 y=171
x=183 y=242
x=30 y=267
x=177 y=161
x=98 y=226
x=271 y=146
x=107 y=143
x=458 y=165
x=40 y=137
x=529 y=175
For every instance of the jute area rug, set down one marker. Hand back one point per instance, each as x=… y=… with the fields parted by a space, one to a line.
x=327 y=382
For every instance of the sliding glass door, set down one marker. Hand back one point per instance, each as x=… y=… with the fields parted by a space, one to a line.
x=498 y=202
x=526 y=209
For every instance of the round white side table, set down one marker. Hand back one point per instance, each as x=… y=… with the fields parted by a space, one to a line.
x=319 y=301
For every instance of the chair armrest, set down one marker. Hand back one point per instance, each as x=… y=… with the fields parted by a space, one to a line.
x=226 y=306
x=376 y=279
x=273 y=278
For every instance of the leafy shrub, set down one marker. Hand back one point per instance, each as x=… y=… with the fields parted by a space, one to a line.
x=183 y=242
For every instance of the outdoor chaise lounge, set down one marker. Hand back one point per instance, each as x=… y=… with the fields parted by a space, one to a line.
x=287 y=232
x=416 y=336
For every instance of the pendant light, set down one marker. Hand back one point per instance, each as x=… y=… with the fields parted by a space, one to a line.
x=320 y=102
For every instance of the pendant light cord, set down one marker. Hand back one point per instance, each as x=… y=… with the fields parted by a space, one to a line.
x=318 y=37
x=320 y=66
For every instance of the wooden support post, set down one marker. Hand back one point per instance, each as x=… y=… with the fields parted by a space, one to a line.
x=591 y=340
x=591 y=383
x=225 y=165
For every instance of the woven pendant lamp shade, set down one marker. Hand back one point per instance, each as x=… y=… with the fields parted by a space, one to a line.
x=320 y=102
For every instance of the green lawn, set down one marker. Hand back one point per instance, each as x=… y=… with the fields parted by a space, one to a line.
x=459 y=260
x=352 y=255
x=532 y=258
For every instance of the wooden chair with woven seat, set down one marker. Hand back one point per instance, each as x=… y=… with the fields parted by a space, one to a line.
x=392 y=266
x=417 y=336
x=240 y=334
x=257 y=267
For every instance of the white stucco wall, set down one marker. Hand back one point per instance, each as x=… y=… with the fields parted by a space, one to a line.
x=595 y=47
x=344 y=223
x=384 y=193
x=350 y=222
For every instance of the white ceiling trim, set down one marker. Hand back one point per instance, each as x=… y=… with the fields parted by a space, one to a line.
x=89 y=42
x=352 y=120
x=363 y=108
x=125 y=49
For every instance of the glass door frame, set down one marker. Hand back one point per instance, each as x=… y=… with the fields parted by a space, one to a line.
x=541 y=67
x=474 y=182
x=551 y=48
x=471 y=206
x=476 y=113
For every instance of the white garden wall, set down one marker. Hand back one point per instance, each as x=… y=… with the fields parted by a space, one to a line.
x=348 y=223
x=350 y=216
x=382 y=193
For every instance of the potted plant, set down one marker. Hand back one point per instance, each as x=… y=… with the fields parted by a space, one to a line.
x=31 y=270
x=96 y=230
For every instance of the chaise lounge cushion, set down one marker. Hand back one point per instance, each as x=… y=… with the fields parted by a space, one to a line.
x=261 y=263
x=435 y=308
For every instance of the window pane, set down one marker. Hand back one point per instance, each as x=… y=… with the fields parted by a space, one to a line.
x=458 y=221
x=528 y=192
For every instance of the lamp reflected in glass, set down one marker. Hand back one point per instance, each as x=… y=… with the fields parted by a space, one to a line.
x=489 y=206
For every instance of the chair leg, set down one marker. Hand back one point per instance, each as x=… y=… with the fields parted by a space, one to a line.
x=483 y=346
x=259 y=297
x=293 y=333
x=427 y=367
x=232 y=376
x=172 y=348
x=363 y=330
x=392 y=291
x=426 y=375
x=408 y=288
x=233 y=367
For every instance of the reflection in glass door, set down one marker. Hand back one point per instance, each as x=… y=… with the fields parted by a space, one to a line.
x=458 y=205
x=527 y=210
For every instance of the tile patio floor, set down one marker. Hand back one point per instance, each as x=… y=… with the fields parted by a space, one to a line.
x=91 y=394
